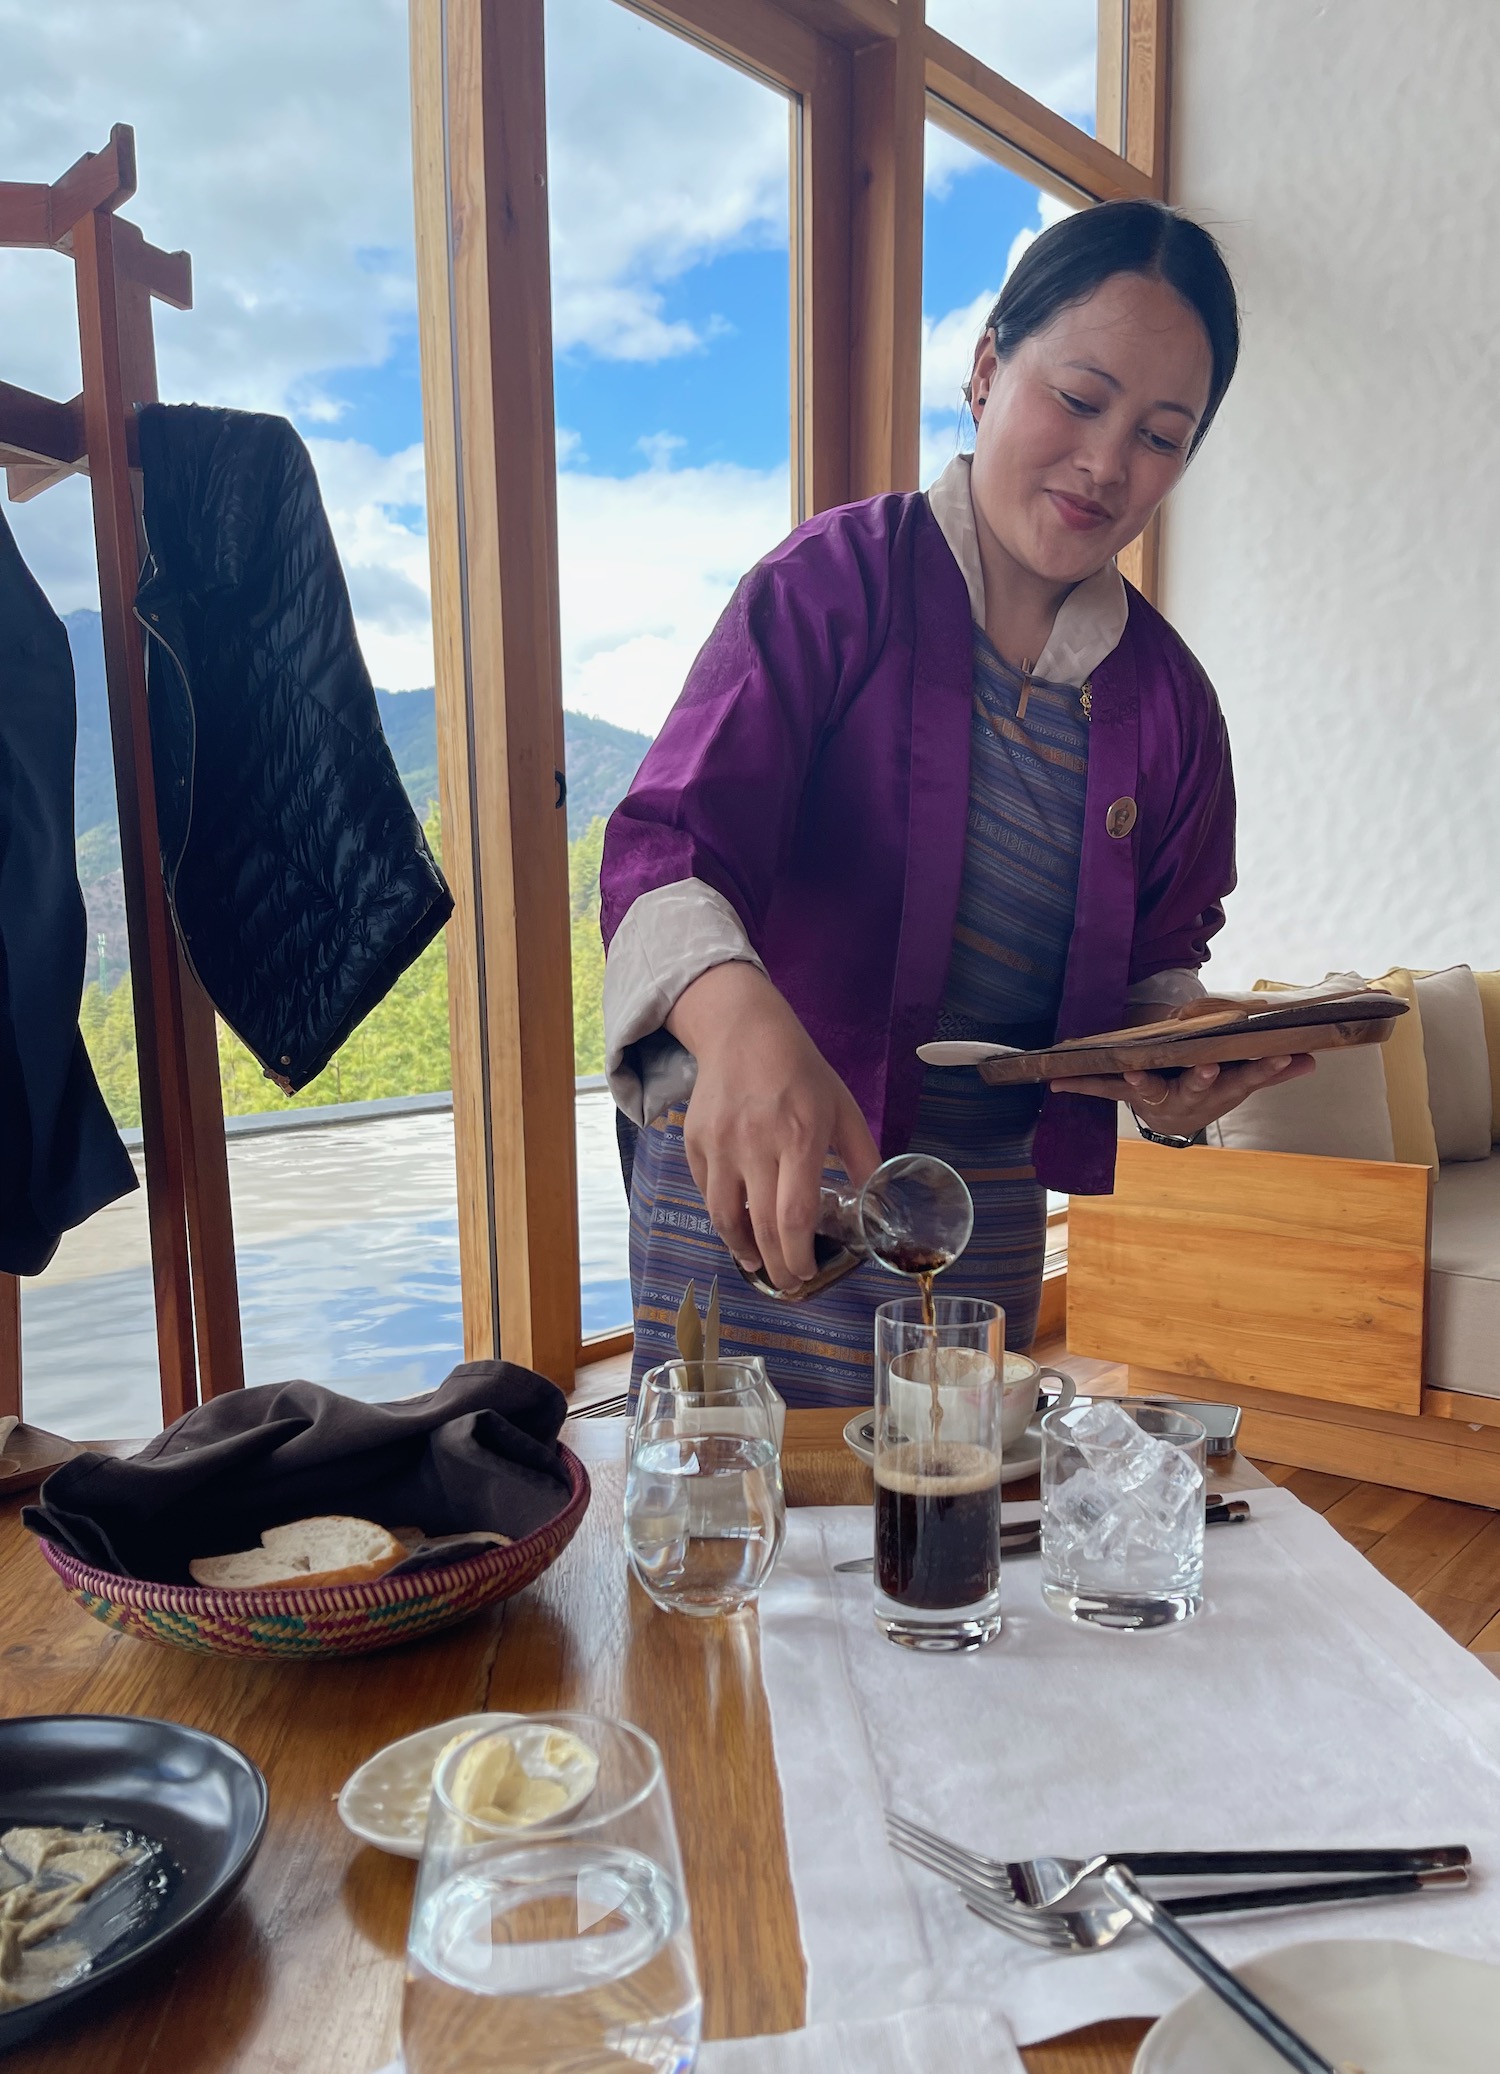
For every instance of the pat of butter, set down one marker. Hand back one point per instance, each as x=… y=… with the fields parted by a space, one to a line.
x=492 y=1784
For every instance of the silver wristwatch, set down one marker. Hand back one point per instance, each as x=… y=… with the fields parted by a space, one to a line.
x=1161 y=1137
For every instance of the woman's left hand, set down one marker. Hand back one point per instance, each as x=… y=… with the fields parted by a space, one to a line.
x=1181 y=1105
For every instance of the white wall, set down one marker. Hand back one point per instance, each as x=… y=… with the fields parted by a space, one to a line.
x=1333 y=556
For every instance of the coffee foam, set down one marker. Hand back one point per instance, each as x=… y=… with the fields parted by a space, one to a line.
x=957 y=1471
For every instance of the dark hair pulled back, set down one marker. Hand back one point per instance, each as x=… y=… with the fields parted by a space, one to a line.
x=1070 y=259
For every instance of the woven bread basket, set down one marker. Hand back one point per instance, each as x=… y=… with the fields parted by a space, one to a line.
x=339 y=1619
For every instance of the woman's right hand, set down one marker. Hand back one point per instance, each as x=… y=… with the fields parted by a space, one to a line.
x=765 y=1109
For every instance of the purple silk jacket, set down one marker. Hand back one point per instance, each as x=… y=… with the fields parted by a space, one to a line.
x=815 y=772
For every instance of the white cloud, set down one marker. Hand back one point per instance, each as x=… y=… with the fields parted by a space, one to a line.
x=273 y=144
x=660 y=157
x=948 y=344
x=1049 y=48
x=375 y=506
x=648 y=562
x=55 y=533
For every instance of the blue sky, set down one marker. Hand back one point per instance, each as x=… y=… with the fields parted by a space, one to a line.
x=727 y=401
x=668 y=184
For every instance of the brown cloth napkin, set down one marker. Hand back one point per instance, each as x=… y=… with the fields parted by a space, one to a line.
x=478 y=1452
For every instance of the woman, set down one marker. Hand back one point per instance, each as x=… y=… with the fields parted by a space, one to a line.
x=939 y=771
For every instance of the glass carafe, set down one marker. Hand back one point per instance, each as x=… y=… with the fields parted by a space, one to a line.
x=914 y=1216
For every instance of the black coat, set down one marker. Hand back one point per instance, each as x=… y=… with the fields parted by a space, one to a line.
x=60 y=1156
x=298 y=874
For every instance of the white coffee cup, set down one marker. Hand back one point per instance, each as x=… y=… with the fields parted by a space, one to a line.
x=1022 y=1388
x=910 y=1397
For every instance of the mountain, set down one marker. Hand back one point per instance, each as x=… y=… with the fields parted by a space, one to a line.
x=602 y=760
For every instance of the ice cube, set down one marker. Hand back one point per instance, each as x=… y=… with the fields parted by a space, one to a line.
x=1085 y=1518
x=1168 y=1496
x=1131 y=1506
x=1132 y=1459
x=1101 y=1428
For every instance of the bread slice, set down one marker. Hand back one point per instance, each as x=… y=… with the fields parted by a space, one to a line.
x=248 y=1571
x=334 y=1550
x=307 y=1554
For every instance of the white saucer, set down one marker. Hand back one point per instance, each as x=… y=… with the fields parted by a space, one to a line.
x=1388 y=2008
x=1023 y=1459
x=385 y=1801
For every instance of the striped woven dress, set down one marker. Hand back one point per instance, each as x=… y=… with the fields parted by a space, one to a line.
x=1028 y=775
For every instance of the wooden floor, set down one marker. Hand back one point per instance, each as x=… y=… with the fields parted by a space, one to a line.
x=1444 y=1555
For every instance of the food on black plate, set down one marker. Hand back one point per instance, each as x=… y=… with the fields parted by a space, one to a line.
x=95 y=1881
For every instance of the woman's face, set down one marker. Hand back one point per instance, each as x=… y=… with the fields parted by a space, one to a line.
x=1085 y=428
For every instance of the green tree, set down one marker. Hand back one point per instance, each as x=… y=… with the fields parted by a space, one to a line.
x=108 y=1025
x=584 y=858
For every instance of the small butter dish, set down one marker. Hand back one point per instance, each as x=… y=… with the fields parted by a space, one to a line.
x=385 y=1802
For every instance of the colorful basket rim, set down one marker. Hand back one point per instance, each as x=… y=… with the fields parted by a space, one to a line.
x=208 y=1603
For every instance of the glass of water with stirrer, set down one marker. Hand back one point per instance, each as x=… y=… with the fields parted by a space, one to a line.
x=705 y=1512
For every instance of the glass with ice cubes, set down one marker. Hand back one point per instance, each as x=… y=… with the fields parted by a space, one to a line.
x=1122 y=1513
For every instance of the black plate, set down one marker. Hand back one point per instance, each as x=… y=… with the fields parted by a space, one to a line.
x=199 y=1797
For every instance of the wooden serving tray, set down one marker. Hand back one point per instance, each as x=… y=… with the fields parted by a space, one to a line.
x=1209 y=1032
x=31 y=1454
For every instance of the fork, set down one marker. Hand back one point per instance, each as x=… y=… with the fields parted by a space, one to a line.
x=1034 y=1883
x=1097 y=1925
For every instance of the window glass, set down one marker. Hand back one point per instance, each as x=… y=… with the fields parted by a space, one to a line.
x=1050 y=50
x=668 y=179
x=978 y=218
x=274 y=145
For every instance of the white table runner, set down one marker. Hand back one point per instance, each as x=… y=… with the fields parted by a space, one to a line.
x=1311 y=1703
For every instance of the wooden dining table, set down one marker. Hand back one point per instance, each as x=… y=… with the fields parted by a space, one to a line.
x=302 y=1972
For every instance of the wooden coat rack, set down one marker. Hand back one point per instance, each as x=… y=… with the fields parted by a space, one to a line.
x=182 y=1119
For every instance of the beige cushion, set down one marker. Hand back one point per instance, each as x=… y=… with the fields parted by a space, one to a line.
x=1458 y=1065
x=1403 y=1064
x=1406 y=1074
x=1339 y=1111
x=1488 y=984
x=1463 y=1289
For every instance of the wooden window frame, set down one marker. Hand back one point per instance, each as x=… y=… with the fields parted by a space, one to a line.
x=862 y=77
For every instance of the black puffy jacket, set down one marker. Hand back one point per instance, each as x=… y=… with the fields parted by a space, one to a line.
x=60 y=1156
x=297 y=870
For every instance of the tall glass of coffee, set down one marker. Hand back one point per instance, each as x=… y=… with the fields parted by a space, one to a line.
x=939 y=1397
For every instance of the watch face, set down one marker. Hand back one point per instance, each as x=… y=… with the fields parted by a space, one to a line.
x=1162 y=1138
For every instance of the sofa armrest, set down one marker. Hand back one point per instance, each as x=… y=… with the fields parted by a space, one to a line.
x=1279 y=1271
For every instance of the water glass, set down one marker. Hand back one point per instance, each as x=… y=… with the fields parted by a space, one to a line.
x=559 y=1948
x=1122 y=1513
x=939 y=1400
x=705 y=1513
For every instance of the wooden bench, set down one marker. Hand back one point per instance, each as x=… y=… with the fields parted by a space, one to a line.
x=1294 y=1286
